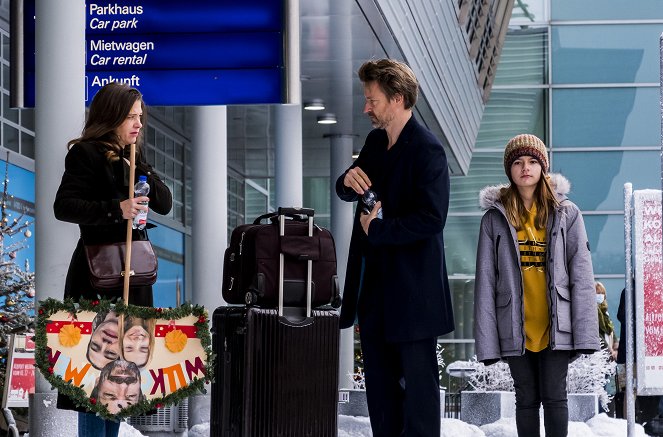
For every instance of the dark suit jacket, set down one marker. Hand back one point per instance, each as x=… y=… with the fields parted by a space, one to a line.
x=404 y=251
x=89 y=195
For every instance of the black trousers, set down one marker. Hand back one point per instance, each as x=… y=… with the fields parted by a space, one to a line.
x=540 y=379
x=402 y=386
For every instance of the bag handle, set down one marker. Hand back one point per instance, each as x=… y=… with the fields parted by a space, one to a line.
x=127 y=253
x=300 y=214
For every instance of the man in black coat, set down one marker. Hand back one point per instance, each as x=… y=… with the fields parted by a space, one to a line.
x=396 y=282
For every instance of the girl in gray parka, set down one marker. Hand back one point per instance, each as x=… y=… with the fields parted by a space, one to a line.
x=534 y=303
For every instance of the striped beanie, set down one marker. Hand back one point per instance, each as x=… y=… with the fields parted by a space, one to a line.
x=525 y=144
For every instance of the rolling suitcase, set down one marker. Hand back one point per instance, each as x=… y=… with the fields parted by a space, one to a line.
x=251 y=262
x=276 y=370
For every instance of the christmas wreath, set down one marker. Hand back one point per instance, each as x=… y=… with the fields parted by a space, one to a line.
x=144 y=358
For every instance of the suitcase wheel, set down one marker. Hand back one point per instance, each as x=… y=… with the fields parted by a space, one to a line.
x=250 y=298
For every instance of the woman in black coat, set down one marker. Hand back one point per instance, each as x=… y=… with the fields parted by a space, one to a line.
x=94 y=193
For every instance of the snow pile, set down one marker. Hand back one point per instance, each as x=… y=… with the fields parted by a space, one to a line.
x=351 y=426
x=604 y=426
x=127 y=430
x=201 y=430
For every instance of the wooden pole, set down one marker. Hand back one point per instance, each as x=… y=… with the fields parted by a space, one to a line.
x=127 y=253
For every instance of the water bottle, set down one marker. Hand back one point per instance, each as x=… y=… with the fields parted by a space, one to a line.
x=142 y=188
x=370 y=199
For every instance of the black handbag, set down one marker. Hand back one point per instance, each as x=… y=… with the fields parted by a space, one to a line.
x=106 y=263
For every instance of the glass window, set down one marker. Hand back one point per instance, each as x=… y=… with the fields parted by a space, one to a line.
x=317 y=195
x=598 y=178
x=10 y=138
x=7 y=112
x=169 y=245
x=485 y=169
x=605 y=117
x=529 y=12
x=606 y=10
x=606 y=54
x=6 y=77
x=28 y=118
x=27 y=145
x=523 y=58
x=606 y=240
x=511 y=112
x=461 y=236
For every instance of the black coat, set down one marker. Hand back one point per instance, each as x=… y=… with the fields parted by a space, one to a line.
x=402 y=259
x=89 y=195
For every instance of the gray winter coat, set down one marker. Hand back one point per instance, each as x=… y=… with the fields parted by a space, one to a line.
x=498 y=289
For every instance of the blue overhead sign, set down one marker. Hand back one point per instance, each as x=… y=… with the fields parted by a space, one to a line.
x=209 y=52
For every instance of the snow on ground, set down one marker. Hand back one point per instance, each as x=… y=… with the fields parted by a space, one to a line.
x=351 y=426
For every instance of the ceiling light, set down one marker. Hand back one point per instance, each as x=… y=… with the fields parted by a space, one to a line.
x=314 y=105
x=327 y=118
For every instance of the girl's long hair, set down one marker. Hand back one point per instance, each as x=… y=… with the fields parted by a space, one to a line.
x=544 y=199
x=108 y=110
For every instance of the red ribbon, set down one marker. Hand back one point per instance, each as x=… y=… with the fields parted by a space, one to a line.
x=188 y=330
x=55 y=327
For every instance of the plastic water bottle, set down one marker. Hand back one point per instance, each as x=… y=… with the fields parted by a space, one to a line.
x=370 y=199
x=142 y=188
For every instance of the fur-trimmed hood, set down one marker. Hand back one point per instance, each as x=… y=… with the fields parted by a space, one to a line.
x=489 y=196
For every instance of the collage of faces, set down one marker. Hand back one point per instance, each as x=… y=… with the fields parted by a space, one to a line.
x=119 y=347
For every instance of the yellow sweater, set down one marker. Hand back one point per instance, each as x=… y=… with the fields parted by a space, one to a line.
x=532 y=243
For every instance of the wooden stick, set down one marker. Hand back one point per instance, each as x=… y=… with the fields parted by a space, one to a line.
x=127 y=253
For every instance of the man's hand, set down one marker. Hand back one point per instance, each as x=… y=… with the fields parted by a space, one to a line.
x=356 y=179
x=365 y=219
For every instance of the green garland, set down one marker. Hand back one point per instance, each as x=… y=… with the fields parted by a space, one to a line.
x=77 y=395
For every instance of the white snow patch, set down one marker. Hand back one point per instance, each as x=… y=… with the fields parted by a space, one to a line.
x=604 y=426
x=351 y=426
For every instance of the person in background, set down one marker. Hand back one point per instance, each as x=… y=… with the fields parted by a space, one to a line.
x=606 y=328
x=534 y=287
x=94 y=194
x=396 y=283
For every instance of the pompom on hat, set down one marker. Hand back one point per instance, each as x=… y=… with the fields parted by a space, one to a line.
x=525 y=145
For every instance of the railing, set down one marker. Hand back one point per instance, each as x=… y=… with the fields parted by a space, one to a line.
x=452 y=405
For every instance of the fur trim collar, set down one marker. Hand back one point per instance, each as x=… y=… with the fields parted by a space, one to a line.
x=489 y=196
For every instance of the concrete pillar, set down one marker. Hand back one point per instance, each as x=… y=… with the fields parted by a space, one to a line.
x=341 y=144
x=288 y=165
x=210 y=223
x=209 y=204
x=59 y=117
x=341 y=227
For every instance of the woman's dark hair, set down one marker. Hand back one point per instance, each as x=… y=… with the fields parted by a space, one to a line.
x=108 y=110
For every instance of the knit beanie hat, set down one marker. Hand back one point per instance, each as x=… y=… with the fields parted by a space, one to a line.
x=525 y=144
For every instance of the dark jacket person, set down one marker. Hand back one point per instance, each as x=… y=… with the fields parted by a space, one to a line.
x=396 y=282
x=94 y=195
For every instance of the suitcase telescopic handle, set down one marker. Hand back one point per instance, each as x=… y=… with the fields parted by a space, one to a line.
x=309 y=269
x=293 y=210
x=300 y=214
